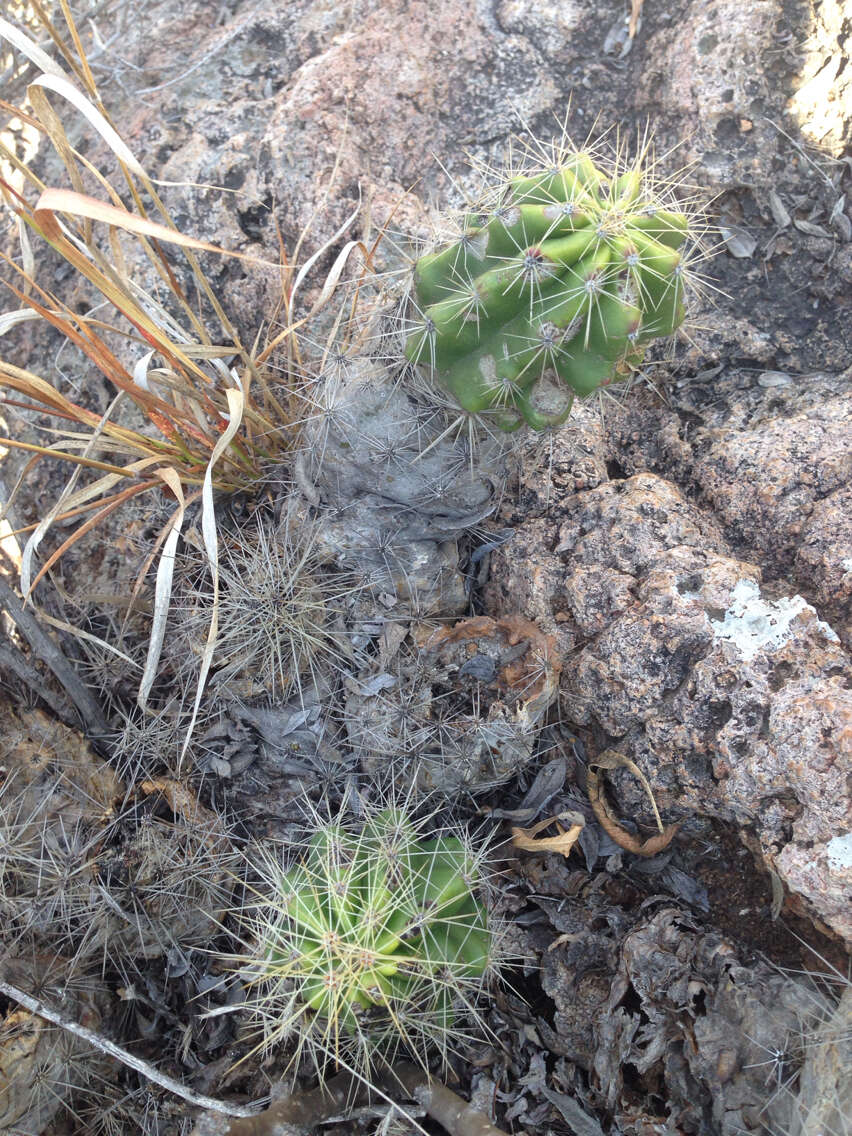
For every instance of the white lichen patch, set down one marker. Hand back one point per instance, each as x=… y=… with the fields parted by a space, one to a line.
x=839 y=852
x=754 y=624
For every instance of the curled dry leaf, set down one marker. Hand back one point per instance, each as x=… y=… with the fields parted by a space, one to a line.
x=183 y=803
x=610 y=759
x=181 y=800
x=528 y=840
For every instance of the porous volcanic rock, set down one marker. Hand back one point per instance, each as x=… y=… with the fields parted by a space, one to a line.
x=736 y=703
x=301 y=110
x=771 y=455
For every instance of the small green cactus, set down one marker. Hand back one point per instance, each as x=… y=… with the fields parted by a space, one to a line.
x=370 y=943
x=571 y=275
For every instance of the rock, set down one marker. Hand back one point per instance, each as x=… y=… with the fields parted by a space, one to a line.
x=823 y=563
x=765 y=483
x=713 y=70
x=824 y=1102
x=563 y=461
x=824 y=87
x=770 y=456
x=735 y=703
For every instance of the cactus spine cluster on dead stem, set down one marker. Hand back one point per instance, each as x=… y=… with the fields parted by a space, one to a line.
x=371 y=940
x=572 y=275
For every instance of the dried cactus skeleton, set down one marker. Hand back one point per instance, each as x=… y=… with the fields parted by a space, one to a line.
x=461 y=709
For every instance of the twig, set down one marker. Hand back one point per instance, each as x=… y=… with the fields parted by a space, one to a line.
x=91 y=715
x=442 y=1104
x=36 y=1006
x=12 y=660
x=297 y=1114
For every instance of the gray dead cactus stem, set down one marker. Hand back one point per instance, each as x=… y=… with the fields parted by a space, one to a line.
x=389 y=479
x=397 y=487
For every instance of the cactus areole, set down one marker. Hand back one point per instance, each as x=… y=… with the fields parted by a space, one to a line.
x=378 y=933
x=571 y=277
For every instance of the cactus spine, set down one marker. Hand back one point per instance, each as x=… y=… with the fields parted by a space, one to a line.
x=370 y=941
x=571 y=276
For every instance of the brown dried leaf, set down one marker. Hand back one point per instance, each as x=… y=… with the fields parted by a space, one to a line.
x=183 y=803
x=611 y=759
x=528 y=840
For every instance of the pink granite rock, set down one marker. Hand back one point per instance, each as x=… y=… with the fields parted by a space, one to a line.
x=735 y=702
x=771 y=456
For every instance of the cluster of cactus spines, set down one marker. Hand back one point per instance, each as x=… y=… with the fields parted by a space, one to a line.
x=571 y=275
x=279 y=604
x=372 y=942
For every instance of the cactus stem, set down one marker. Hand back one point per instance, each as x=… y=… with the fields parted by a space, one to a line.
x=590 y=250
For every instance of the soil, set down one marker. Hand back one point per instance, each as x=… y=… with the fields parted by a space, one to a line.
x=740 y=906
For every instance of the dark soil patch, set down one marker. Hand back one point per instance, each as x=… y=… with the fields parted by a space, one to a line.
x=740 y=898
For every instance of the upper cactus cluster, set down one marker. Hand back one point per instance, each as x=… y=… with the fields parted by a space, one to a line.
x=369 y=941
x=571 y=275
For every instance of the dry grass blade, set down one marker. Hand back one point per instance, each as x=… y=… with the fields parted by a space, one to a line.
x=611 y=759
x=42 y=527
x=217 y=423
x=211 y=547
x=635 y=13
x=31 y=50
x=55 y=201
x=163 y=589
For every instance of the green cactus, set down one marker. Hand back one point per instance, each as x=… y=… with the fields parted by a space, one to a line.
x=571 y=276
x=370 y=942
